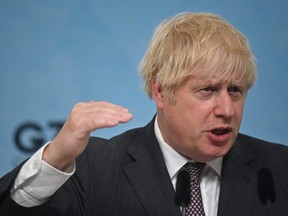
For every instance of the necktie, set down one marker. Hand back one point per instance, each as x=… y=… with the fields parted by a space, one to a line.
x=195 y=207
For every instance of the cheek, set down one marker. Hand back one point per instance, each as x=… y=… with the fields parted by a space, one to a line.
x=239 y=113
x=182 y=121
x=189 y=118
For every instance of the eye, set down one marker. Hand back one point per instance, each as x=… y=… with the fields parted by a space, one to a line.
x=235 y=91
x=206 y=91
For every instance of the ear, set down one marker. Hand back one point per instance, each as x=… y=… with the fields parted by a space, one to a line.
x=157 y=94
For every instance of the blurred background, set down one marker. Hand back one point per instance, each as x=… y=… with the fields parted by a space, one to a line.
x=54 y=54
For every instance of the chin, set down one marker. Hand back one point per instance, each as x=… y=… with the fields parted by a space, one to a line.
x=214 y=153
x=220 y=152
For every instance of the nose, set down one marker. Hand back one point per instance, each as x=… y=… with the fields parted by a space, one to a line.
x=224 y=105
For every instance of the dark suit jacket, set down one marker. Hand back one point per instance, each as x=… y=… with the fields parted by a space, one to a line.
x=127 y=176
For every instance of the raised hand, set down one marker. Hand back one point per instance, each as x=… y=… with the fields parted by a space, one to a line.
x=73 y=137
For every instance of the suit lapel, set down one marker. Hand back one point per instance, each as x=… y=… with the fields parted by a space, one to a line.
x=149 y=177
x=238 y=186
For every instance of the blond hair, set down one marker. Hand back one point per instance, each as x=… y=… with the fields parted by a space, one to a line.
x=196 y=44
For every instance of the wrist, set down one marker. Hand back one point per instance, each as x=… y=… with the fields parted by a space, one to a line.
x=54 y=157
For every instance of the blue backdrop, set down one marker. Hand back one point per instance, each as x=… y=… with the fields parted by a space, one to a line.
x=54 y=54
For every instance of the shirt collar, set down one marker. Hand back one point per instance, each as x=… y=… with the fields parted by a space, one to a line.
x=175 y=161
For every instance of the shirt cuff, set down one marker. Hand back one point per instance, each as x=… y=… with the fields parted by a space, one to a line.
x=37 y=180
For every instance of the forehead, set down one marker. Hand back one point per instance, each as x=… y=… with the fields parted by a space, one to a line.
x=217 y=78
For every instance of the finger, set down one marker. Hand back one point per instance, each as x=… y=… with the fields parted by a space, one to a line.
x=103 y=110
x=100 y=107
x=105 y=118
x=94 y=115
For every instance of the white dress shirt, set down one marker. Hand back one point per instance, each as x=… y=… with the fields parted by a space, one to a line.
x=37 y=180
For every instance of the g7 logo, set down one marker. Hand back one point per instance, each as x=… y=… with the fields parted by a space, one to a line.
x=36 y=135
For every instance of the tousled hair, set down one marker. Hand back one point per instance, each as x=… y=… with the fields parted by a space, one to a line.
x=196 y=44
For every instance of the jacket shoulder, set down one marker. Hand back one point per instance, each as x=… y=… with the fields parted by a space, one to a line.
x=254 y=142
x=262 y=149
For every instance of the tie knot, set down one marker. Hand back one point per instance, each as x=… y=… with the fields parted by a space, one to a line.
x=195 y=169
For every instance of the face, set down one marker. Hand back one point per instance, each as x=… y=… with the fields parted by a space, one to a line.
x=204 y=119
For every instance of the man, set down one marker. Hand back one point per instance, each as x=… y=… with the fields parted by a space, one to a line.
x=198 y=69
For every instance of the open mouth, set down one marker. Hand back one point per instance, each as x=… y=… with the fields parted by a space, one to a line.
x=221 y=131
